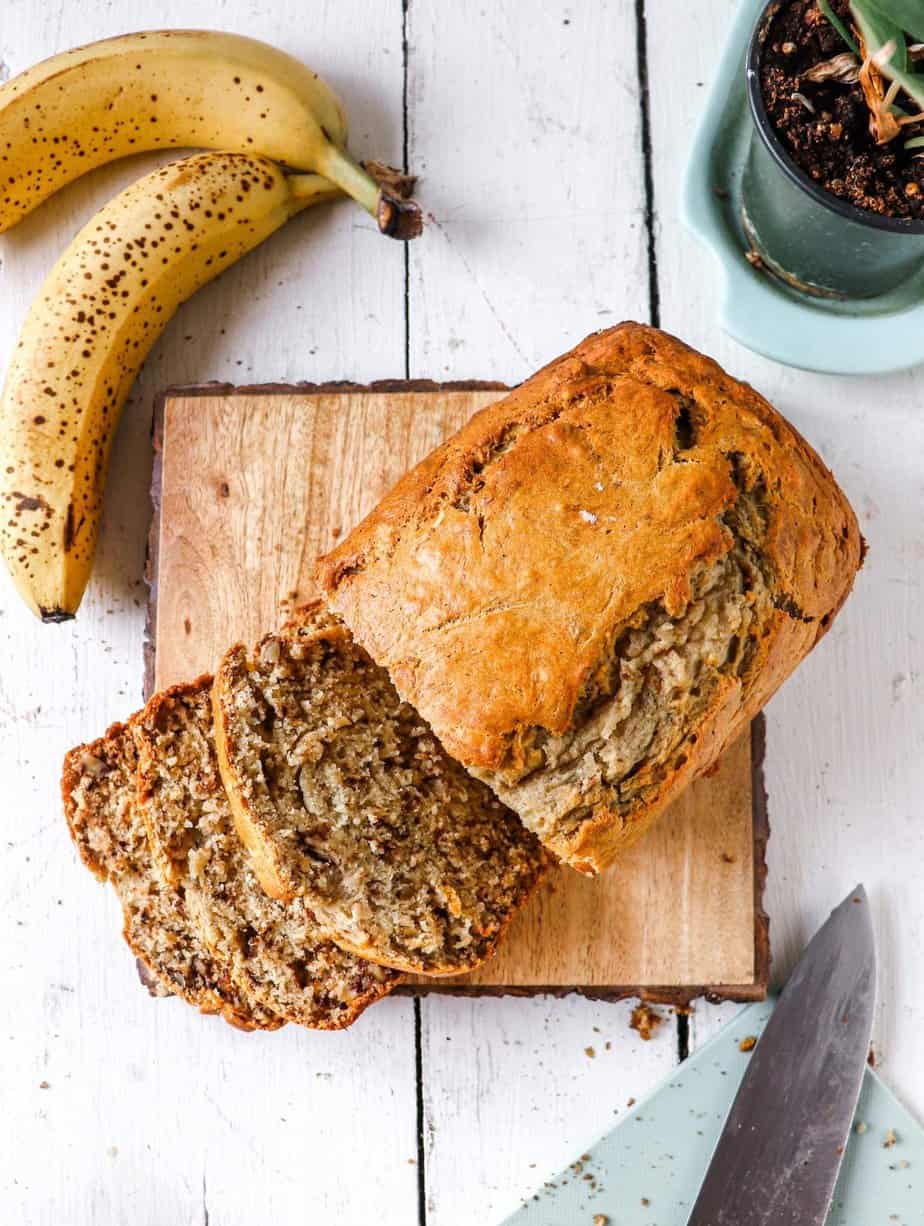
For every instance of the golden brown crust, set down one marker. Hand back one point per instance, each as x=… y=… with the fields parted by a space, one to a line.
x=494 y=579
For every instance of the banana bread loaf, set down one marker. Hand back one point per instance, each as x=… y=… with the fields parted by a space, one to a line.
x=98 y=789
x=345 y=798
x=591 y=588
x=272 y=949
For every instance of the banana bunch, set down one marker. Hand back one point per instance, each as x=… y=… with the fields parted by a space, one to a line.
x=124 y=275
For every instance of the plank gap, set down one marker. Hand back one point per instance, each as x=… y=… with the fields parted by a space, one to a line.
x=641 y=46
x=421 y=1117
x=418 y=1028
x=683 y=1037
x=405 y=166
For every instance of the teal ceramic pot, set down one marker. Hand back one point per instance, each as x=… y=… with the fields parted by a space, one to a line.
x=816 y=242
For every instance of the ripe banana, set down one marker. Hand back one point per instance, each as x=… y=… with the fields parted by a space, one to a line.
x=176 y=88
x=89 y=330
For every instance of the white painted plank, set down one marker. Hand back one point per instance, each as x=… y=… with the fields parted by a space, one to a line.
x=707 y=1020
x=525 y=130
x=845 y=759
x=513 y=1094
x=524 y=127
x=153 y=1114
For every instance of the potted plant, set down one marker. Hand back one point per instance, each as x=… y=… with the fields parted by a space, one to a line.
x=833 y=188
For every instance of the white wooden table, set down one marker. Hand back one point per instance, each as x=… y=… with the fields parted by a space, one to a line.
x=553 y=189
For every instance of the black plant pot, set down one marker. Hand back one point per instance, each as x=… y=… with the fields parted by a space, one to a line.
x=816 y=242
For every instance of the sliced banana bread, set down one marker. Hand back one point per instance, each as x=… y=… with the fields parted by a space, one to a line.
x=272 y=949
x=98 y=787
x=345 y=798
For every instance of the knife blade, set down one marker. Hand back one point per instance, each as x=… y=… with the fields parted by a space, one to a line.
x=777 y=1160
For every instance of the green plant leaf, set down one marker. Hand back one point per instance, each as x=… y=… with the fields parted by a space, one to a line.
x=916 y=142
x=828 y=12
x=908 y=15
x=877 y=30
x=872 y=29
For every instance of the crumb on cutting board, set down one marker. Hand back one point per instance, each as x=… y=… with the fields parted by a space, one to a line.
x=748 y=1043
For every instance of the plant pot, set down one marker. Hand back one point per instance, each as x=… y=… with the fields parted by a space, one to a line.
x=816 y=242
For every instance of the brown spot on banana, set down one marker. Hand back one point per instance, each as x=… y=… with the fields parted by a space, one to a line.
x=31 y=502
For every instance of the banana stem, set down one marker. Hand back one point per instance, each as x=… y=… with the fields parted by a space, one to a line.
x=305 y=190
x=395 y=217
x=337 y=165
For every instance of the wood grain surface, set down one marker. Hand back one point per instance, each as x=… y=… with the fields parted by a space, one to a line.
x=251 y=487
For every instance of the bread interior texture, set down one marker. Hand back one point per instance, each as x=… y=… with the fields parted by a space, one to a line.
x=401 y=854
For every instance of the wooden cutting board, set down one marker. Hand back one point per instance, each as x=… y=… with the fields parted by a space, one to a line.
x=250 y=485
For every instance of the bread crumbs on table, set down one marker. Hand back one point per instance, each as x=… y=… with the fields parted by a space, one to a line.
x=600 y=1219
x=890 y=1139
x=748 y=1043
x=589 y=1052
x=860 y=1127
x=44 y=1085
x=631 y=1102
x=645 y=1021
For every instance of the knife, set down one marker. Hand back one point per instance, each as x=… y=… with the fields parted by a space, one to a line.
x=779 y=1154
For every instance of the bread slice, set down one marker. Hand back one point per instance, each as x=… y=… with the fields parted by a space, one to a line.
x=98 y=789
x=344 y=797
x=591 y=589
x=272 y=949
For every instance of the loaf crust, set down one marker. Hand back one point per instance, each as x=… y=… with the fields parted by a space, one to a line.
x=345 y=799
x=591 y=588
x=273 y=950
x=98 y=789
